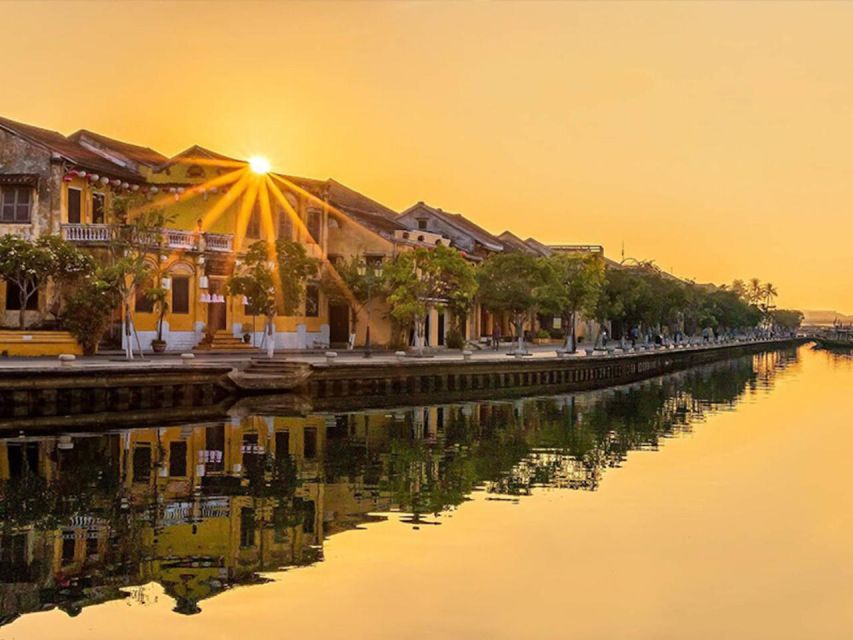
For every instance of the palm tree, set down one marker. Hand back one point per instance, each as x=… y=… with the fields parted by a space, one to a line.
x=769 y=292
x=755 y=291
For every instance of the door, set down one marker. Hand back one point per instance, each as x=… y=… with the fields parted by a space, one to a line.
x=338 y=323
x=216 y=320
x=441 y=321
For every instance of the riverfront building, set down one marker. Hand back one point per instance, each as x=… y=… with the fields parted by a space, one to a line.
x=69 y=185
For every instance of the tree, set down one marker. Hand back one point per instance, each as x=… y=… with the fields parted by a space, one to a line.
x=133 y=257
x=352 y=282
x=89 y=308
x=29 y=265
x=419 y=280
x=518 y=284
x=787 y=319
x=580 y=278
x=272 y=276
x=253 y=278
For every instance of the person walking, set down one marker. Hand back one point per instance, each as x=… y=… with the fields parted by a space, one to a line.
x=496 y=336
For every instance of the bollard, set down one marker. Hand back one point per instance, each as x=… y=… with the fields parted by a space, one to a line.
x=466 y=355
x=67 y=359
x=400 y=355
x=330 y=357
x=187 y=358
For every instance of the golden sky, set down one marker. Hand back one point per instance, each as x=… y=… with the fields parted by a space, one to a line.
x=714 y=138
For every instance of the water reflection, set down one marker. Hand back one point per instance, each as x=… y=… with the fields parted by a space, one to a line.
x=91 y=517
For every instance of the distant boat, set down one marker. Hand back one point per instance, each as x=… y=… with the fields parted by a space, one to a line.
x=837 y=338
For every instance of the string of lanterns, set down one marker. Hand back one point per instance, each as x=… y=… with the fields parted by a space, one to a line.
x=105 y=181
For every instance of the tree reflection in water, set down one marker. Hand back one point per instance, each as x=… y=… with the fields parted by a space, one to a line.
x=202 y=507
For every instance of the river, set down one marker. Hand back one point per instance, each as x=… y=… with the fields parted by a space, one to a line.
x=711 y=503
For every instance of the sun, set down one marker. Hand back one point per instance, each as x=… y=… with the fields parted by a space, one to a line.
x=259 y=165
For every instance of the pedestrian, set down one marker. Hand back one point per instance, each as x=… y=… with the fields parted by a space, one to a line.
x=496 y=336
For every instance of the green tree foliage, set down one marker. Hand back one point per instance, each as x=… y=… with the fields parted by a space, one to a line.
x=580 y=280
x=30 y=265
x=787 y=319
x=89 y=309
x=519 y=285
x=644 y=298
x=419 y=280
x=353 y=282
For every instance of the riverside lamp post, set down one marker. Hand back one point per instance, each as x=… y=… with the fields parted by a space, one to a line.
x=365 y=270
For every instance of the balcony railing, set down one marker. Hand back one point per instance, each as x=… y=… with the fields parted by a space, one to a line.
x=87 y=232
x=218 y=241
x=168 y=238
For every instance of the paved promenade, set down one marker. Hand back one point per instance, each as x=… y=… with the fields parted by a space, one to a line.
x=241 y=359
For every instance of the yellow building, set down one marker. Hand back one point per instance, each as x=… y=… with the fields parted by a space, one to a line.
x=216 y=208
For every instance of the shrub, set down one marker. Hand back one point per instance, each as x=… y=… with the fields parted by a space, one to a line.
x=542 y=334
x=454 y=340
x=88 y=313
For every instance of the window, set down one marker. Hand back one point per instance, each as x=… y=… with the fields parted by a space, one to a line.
x=310 y=443
x=13 y=298
x=16 y=204
x=285 y=225
x=143 y=303
x=373 y=262
x=282 y=445
x=314 y=223
x=141 y=463
x=180 y=294
x=178 y=459
x=247 y=527
x=253 y=226
x=312 y=301
x=422 y=224
x=98 y=208
x=74 y=206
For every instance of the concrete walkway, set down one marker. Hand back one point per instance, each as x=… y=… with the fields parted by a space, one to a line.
x=241 y=359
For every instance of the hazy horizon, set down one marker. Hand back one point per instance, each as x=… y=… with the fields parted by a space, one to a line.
x=710 y=138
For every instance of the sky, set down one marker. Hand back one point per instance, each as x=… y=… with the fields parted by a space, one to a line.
x=713 y=138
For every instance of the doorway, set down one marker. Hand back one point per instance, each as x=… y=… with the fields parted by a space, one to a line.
x=338 y=323
x=216 y=311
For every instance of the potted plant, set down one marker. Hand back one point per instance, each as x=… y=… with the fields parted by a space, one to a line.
x=247 y=332
x=158 y=296
x=542 y=337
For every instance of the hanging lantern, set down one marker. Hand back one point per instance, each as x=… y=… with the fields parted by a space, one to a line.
x=105 y=180
x=135 y=187
x=125 y=185
x=154 y=189
x=181 y=189
x=144 y=189
x=202 y=281
x=115 y=182
x=172 y=190
x=67 y=177
x=82 y=174
x=205 y=297
x=73 y=173
x=93 y=177
x=166 y=282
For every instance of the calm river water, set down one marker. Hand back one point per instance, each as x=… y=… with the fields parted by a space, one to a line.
x=713 y=503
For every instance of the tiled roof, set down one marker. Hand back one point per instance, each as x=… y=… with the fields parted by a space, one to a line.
x=136 y=153
x=357 y=206
x=72 y=151
x=463 y=224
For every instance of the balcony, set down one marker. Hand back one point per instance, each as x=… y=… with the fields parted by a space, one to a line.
x=179 y=239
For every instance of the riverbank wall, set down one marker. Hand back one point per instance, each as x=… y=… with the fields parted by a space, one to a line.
x=423 y=377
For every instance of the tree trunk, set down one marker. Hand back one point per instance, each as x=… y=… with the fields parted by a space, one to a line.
x=519 y=332
x=128 y=346
x=270 y=336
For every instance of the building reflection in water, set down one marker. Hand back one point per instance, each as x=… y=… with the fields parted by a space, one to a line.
x=198 y=508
